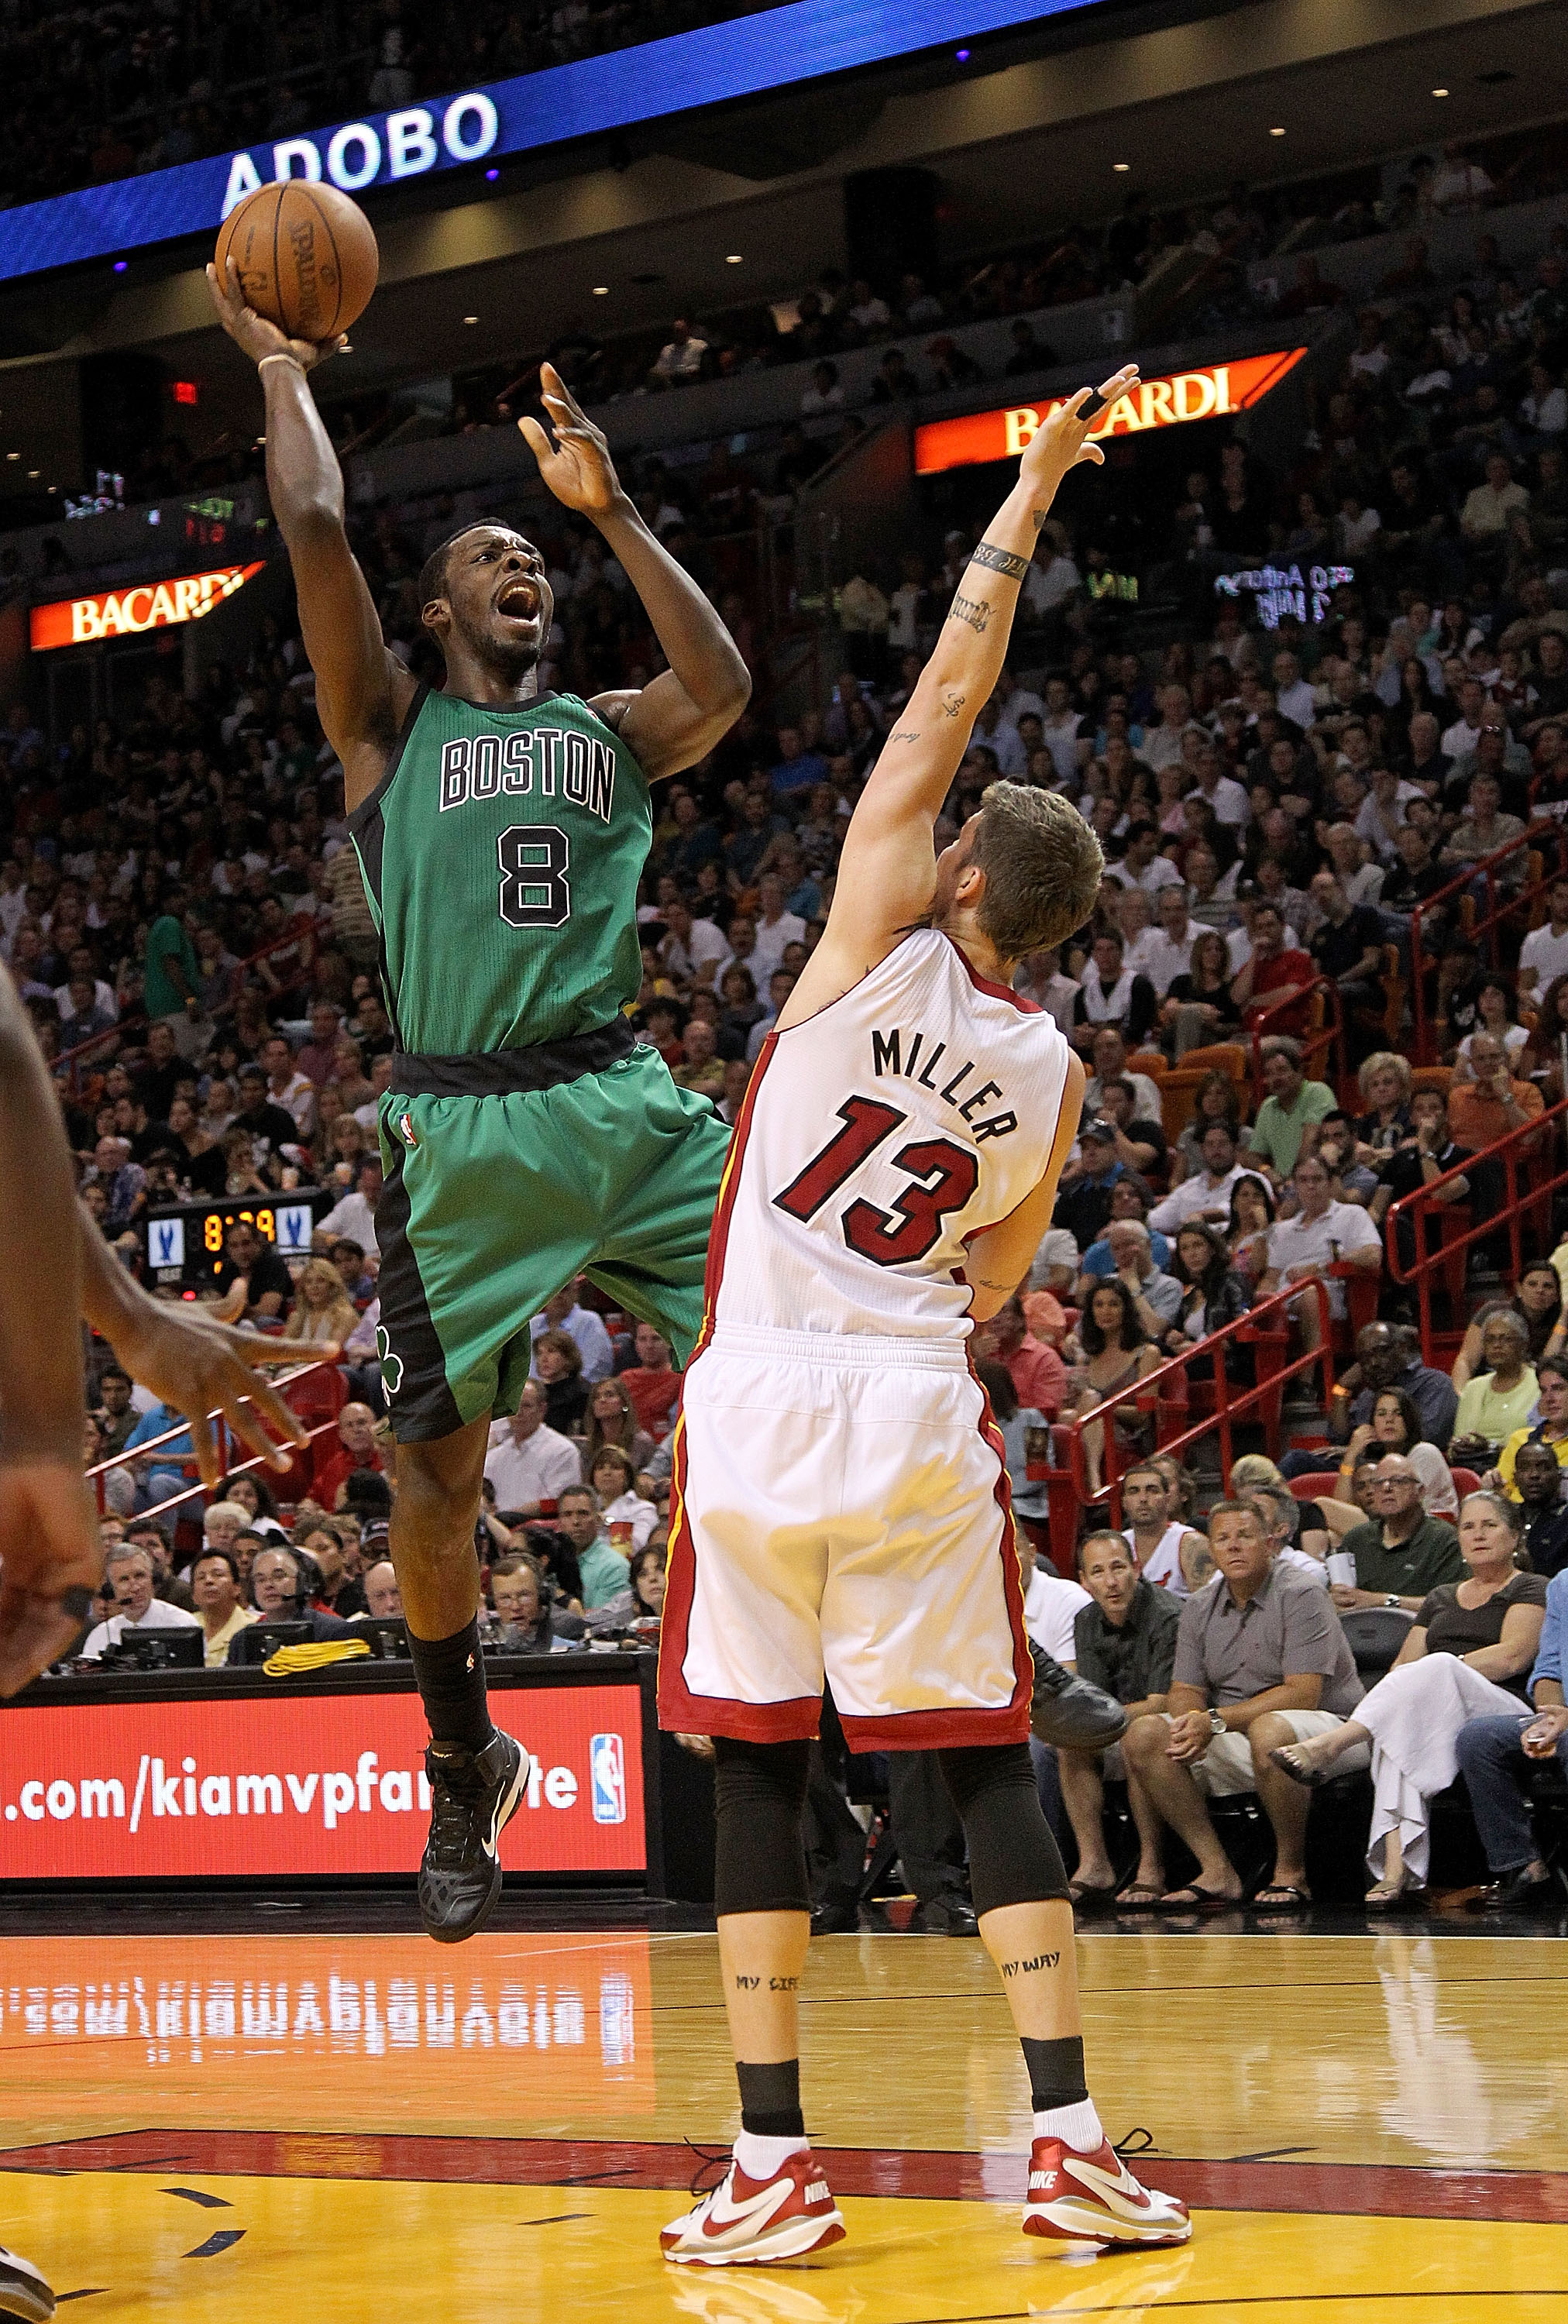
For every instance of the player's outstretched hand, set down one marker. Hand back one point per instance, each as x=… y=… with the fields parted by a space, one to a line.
x=197 y=1365
x=253 y=332
x=53 y=1565
x=576 y=465
x=1062 y=442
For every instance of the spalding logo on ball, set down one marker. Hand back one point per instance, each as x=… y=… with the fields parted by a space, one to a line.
x=306 y=255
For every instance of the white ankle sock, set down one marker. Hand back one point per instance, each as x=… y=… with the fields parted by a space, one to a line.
x=1077 y=2126
x=760 y=2157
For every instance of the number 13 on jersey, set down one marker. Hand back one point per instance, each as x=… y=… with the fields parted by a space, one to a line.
x=943 y=1175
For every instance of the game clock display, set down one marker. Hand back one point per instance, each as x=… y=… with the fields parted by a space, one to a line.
x=185 y=1241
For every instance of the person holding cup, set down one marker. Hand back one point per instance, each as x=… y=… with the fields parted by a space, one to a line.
x=1401 y=1553
x=627 y=1518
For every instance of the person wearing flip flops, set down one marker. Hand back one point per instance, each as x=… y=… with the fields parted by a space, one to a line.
x=1261 y=1662
x=1125 y=1642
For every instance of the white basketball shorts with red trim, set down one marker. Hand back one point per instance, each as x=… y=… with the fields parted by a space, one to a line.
x=840 y=1505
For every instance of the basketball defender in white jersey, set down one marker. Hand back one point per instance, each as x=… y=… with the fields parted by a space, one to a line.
x=839 y=1499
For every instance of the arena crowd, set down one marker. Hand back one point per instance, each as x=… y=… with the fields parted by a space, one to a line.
x=1278 y=796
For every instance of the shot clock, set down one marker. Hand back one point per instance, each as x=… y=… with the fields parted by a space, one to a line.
x=185 y=1241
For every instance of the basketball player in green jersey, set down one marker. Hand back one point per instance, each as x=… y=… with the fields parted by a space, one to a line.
x=527 y=1135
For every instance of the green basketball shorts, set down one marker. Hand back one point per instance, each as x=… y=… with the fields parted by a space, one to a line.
x=496 y=1195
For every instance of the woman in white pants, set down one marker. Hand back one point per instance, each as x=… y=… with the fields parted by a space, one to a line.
x=1468 y=1656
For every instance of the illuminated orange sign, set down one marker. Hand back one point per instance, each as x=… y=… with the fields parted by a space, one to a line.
x=126 y=612
x=1210 y=392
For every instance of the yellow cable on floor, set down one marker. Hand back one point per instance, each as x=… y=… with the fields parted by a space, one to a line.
x=320 y=1654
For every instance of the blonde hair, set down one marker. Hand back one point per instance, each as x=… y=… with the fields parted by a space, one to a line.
x=1384 y=1061
x=1252 y=1470
x=336 y=1319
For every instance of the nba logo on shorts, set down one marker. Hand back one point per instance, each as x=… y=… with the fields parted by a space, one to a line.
x=406 y=1129
x=608 y=1773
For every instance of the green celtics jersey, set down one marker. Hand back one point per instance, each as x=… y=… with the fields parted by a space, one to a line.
x=500 y=852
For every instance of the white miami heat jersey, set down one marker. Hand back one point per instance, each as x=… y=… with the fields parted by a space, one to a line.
x=876 y=1139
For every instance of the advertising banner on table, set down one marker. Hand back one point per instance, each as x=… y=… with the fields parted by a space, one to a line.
x=129 y=612
x=1210 y=392
x=303 y=1785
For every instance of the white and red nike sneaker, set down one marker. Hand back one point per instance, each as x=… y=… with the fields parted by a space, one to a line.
x=746 y=2222
x=1093 y=2203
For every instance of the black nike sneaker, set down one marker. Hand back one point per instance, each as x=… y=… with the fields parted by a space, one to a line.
x=1072 y=1711
x=475 y=1795
x=22 y=2290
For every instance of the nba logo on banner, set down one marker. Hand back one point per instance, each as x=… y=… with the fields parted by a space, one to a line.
x=608 y=1772
x=167 y=1240
x=295 y=1223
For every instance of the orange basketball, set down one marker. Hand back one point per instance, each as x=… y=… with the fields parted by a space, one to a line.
x=306 y=255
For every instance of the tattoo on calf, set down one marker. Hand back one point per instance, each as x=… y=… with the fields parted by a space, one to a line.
x=1000 y=560
x=1023 y=1968
x=782 y=1984
x=747 y=1984
x=975 y=613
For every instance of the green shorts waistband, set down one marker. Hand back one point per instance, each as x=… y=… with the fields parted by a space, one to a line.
x=501 y=1073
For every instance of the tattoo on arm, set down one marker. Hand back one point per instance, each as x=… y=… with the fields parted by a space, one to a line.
x=1002 y=560
x=951 y=704
x=974 y=613
x=905 y=734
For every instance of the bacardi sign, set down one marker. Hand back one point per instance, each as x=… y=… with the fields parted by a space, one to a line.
x=1209 y=392
x=144 y=605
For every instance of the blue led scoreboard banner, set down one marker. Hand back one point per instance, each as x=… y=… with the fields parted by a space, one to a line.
x=773 y=49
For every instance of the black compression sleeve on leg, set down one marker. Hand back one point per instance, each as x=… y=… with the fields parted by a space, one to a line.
x=450 y=1675
x=758 y=1804
x=1014 y=1857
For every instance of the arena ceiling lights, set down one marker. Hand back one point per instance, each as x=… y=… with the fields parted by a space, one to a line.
x=127 y=612
x=778 y=47
x=1211 y=392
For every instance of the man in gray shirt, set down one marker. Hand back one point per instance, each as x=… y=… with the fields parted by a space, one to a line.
x=1260 y=1660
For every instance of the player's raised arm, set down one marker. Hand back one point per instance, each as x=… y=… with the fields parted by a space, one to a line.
x=676 y=721
x=362 y=691
x=887 y=875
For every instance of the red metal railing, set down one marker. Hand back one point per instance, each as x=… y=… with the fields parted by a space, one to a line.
x=226 y=1442
x=1315 y=1045
x=80 y=1059
x=1508 y=1151
x=1486 y=870
x=1068 y=1479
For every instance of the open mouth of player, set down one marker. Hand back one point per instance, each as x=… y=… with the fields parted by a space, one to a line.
x=518 y=600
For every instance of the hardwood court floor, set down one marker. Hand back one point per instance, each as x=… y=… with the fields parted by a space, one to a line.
x=349 y=2129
